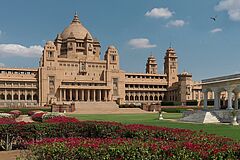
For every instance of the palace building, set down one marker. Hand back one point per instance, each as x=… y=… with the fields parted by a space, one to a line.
x=70 y=70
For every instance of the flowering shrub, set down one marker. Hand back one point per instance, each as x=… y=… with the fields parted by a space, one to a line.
x=111 y=140
x=7 y=121
x=61 y=119
x=6 y=115
x=32 y=112
x=125 y=148
x=38 y=116
x=49 y=115
x=15 y=113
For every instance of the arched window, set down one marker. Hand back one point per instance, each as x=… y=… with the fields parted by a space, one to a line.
x=2 y=96
x=131 y=98
x=29 y=97
x=146 y=98
x=35 y=97
x=160 y=98
x=9 y=96
x=126 y=98
x=155 y=98
x=151 y=98
x=136 y=98
x=22 y=97
x=15 y=96
x=141 y=98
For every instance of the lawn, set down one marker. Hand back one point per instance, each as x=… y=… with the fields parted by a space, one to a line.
x=152 y=119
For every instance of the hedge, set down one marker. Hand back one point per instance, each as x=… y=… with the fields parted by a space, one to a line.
x=24 y=111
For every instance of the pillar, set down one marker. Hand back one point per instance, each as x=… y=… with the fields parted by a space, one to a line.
x=12 y=95
x=70 y=94
x=229 y=99
x=64 y=94
x=19 y=95
x=216 y=99
x=236 y=100
x=100 y=95
x=5 y=94
x=76 y=95
x=94 y=95
x=32 y=95
x=205 y=98
x=82 y=95
x=88 y=95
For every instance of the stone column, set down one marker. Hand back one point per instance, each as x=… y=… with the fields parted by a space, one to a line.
x=5 y=94
x=25 y=95
x=216 y=99
x=229 y=99
x=32 y=95
x=105 y=95
x=205 y=98
x=19 y=93
x=76 y=94
x=12 y=95
x=88 y=95
x=64 y=94
x=82 y=95
x=70 y=94
x=108 y=95
x=100 y=95
x=94 y=95
x=236 y=100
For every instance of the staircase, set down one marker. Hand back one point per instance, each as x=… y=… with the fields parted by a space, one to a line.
x=201 y=117
x=103 y=108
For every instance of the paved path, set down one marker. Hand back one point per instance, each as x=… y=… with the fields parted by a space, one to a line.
x=24 y=118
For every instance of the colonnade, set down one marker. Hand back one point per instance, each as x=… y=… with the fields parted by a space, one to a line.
x=84 y=95
x=232 y=93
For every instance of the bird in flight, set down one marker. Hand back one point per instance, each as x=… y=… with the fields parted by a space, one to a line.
x=214 y=18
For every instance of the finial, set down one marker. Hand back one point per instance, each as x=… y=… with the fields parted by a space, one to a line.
x=170 y=46
x=75 y=19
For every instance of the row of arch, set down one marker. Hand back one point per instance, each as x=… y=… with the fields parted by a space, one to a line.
x=15 y=96
x=144 y=98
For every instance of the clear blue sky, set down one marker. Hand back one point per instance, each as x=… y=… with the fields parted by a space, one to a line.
x=206 y=48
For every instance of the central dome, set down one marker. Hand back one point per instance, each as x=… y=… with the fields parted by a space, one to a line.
x=76 y=30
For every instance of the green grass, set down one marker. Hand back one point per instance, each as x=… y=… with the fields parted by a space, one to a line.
x=152 y=119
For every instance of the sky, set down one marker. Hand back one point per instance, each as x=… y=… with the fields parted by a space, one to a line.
x=138 y=28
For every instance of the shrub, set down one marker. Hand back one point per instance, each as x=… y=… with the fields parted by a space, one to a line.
x=25 y=110
x=6 y=115
x=7 y=121
x=15 y=113
x=38 y=116
x=61 y=119
x=49 y=115
x=192 y=103
x=126 y=148
x=171 y=103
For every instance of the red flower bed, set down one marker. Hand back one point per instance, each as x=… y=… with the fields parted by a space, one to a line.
x=62 y=119
x=7 y=121
x=15 y=113
x=37 y=117
x=128 y=148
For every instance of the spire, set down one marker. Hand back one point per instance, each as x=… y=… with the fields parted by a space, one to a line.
x=170 y=46
x=76 y=19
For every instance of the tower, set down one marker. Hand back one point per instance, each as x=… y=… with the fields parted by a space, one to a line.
x=171 y=66
x=151 y=65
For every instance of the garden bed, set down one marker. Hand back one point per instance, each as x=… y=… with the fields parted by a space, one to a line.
x=67 y=138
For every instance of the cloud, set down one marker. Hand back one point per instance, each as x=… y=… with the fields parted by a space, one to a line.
x=176 y=23
x=19 y=50
x=215 y=30
x=138 y=43
x=231 y=6
x=2 y=64
x=159 y=13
